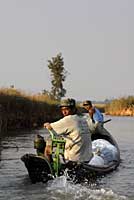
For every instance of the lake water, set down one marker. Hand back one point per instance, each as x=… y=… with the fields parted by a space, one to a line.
x=15 y=183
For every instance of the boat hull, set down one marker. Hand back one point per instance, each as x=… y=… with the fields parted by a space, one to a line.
x=40 y=170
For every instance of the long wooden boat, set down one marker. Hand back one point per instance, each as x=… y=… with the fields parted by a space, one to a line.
x=41 y=170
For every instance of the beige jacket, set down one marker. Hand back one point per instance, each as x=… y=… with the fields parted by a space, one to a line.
x=75 y=130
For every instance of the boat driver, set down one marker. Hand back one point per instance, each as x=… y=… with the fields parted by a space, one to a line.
x=75 y=130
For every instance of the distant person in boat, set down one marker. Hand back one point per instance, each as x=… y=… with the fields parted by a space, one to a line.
x=94 y=113
x=94 y=116
x=74 y=128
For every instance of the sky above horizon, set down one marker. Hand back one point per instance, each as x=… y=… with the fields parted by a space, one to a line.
x=95 y=37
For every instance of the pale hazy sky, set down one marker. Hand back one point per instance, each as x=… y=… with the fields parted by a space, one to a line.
x=95 y=37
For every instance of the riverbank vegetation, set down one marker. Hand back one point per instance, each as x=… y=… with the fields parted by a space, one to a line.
x=19 y=110
x=123 y=106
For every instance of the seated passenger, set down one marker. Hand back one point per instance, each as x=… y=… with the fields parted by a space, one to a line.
x=94 y=113
x=95 y=119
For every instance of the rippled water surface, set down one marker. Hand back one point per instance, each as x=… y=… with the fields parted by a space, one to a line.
x=15 y=183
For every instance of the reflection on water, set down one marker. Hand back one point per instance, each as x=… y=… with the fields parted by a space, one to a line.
x=15 y=183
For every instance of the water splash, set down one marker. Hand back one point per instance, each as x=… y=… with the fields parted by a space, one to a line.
x=61 y=188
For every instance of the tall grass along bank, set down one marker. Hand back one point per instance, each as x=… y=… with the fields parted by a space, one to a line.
x=18 y=110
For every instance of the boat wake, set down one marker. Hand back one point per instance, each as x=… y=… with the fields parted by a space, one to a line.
x=64 y=189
